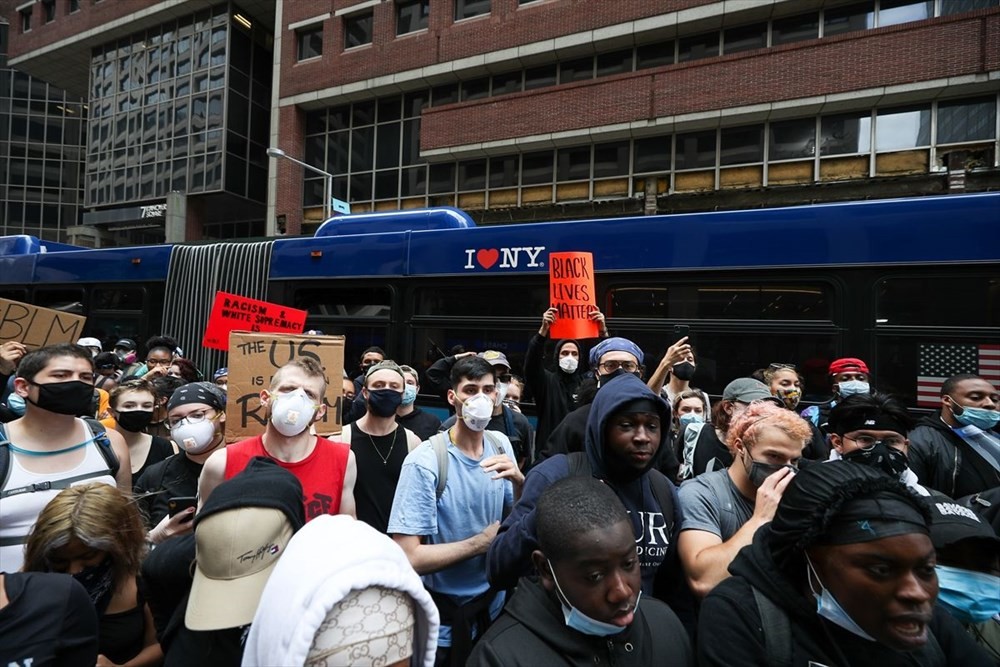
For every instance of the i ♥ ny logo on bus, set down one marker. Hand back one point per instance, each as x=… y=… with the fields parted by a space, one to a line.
x=508 y=258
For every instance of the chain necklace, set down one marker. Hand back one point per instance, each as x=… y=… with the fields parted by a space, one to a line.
x=385 y=459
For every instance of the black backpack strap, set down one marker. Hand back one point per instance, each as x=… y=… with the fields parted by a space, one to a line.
x=4 y=457
x=103 y=442
x=777 y=631
x=663 y=492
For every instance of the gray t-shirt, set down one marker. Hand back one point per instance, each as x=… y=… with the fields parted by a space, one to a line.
x=711 y=502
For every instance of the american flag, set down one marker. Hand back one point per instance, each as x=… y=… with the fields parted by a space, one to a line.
x=940 y=362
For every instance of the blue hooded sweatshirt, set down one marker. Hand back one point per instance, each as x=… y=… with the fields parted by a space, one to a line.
x=509 y=557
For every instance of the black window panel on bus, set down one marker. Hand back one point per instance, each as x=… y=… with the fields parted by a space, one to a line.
x=67 y=300
x=804 y=301
x=116 y=312
x=359 y=313
x=938 y=301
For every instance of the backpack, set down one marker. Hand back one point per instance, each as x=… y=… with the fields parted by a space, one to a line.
x=102 y=441
x=579 y=464
x=440 y=443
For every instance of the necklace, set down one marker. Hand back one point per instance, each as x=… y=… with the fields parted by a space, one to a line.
x=385 y=459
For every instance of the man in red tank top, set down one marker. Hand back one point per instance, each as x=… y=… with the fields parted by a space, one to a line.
x=326 y=468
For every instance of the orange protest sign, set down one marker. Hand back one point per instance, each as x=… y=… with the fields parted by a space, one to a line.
x=571 y=291
x=232 y=312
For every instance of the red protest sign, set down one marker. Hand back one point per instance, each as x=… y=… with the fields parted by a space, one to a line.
x=571 y=290
x=232 y=312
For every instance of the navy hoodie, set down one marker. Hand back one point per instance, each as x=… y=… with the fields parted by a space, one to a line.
x=509 y=556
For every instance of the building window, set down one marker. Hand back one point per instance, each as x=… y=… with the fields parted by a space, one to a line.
x=74 y=6
x=792 y=139
x=744 y=38
x=49 y=9
x=845 y=134
x=412 y=15
x=893 y=12
x=967 y=120
x=310 y=43
x=26 y=19
x=794 y=29
x=358 y=30
x=847 y=19
x=902 y=128
x=959 y=6
x=465 y=9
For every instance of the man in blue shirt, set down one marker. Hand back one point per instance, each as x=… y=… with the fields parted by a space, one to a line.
x=446 y=529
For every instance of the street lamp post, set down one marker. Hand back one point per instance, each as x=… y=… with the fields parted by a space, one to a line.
x=327 y=179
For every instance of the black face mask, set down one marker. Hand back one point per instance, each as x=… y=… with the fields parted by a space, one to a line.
x=135 y=420
x=882 y=457
x=73 y=398
x=604 y=378
x=684 y=370
x=99 y=582
x=758 y=472
x=383 y=402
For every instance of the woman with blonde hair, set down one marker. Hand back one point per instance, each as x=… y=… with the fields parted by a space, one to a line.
x=94 y=533
x=132 y=404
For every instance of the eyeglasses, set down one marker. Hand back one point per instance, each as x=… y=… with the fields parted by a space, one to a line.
x=612 y=366
x=867 y=441
x=158 y=362
x=193 y=418
x=503 y=377
x=781 y=367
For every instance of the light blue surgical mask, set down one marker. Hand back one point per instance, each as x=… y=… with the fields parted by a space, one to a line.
x=828 y=607
x=16 y=404
x=852 y=387
x=971 y=597
x=690 y=418
x=577 y=620
x=978 y=417
x=409 y=394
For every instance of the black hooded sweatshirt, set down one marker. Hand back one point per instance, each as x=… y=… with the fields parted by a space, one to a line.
x=554 y=390
x=730 y=614
x=531 y=631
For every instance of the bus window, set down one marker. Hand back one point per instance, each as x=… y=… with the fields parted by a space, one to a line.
x=68 y=300
x=431 y=342
x=118 y=298
x=493 y=300
x=354 y=302
x=14 y=295
x=798 y=301
x=952 y=301
x=724 y=356
x=913 y=367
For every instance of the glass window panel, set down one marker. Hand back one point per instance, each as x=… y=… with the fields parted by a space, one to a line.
x=411 y=15
x=475 y=89
x=507 y=83
x=839 y=20
x=611 y=159
x=503 y=171
x=960 y=6
x=536 y=168
x=845 y=134
x=741 y=145
x=315 y=122
x=744 y=38
x=893 y=12
x=414 y=103
x=340 y=118
x=411 y=141
x=312 y=192
x=972 y=301
x=967 y=120
x=361 y=187
x=467 y=8
x=387 y=184
x=540 y=77
x=579 y=69
x=442 y=178
x=389 y=108
x=466 y=301
x=447 y=94
x=614 y=63
x=652 y=154
x=698 y=46
x=358 y=29
x=573 y=164
x=387 y=146
x=799 y=301
x=472 y=175
x=356 y=301
x=362 y=148
x=654 y=55
x=790 y=139
x=903 y=128
x=337 y=152
x=696 y=150
x=310 y=43
x=313 y=149
x=414 y=182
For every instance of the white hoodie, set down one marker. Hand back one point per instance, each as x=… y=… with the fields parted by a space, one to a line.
x=326 y=560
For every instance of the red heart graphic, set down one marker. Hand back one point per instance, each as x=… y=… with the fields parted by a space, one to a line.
x=487 y=258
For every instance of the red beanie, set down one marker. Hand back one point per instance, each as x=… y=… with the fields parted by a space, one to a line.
x=848 y=364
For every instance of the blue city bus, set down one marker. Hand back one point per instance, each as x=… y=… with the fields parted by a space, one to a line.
x=895 y=282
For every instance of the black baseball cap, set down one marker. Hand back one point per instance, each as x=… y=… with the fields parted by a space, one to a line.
x=954 y=522
x=126 y=343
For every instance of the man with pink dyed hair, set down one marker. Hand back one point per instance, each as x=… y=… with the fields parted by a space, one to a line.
x=724 y=508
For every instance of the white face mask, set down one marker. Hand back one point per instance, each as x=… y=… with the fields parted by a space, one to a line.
x=501 y=392
x=292 y=413
x=569 y=364
x=477 y=412
x=194 y=438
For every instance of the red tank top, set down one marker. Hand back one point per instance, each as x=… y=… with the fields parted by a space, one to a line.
x=321 y=473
